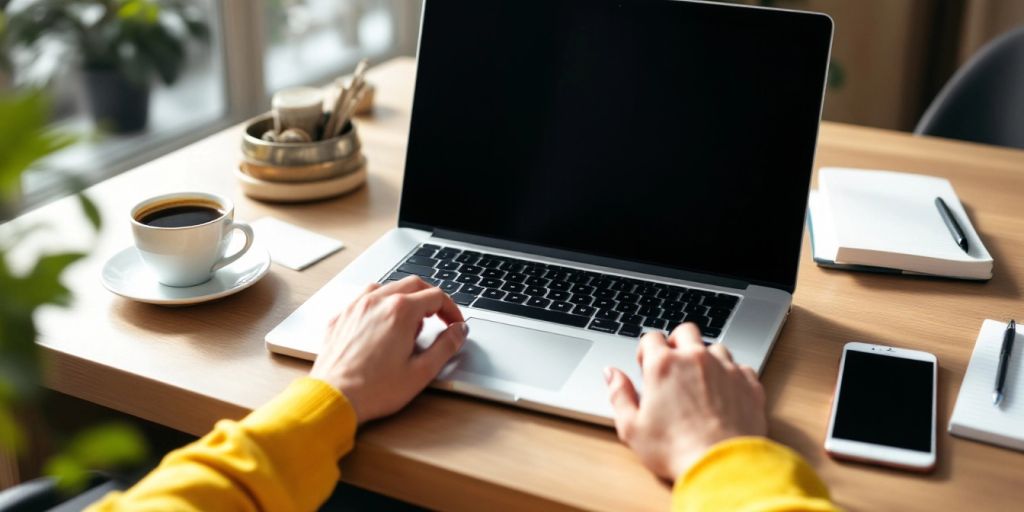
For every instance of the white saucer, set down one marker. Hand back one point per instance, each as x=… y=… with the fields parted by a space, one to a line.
x=126 y=275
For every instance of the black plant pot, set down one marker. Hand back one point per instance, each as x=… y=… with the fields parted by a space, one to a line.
x=117 y=104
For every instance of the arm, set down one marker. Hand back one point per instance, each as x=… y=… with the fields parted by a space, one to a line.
x=702 y=423
x=284 y=455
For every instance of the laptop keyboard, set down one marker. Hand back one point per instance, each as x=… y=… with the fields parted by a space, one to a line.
x=562 y=295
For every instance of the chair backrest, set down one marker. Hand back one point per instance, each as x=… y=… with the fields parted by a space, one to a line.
x=984 y=101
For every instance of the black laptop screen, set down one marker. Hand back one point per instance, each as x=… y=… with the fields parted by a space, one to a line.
x=668 y=133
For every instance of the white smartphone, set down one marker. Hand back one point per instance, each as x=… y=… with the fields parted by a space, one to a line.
x=883 y=408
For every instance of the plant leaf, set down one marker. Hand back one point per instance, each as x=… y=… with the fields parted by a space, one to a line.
x=10 y=433
x=107 y=446
x=70 y=474
x=42 y=285
x=91 y=212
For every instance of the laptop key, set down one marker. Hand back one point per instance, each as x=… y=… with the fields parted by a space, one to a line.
x=471 y=269
x=517 y=298
x=426 y=251
x=515 y=277
x=490 y=282
x=494 y=294
x=419 y=270
x=630 y=330
x=710 y=332
x=537 y=281
x=604 y=303
x=564 y=307
x=468 y=279
x=471 y=289
x=513 y=287
x=446 y=254
x=493 y=273
x=583 y=310
x=601 y=325
x=450 y=287
x=395 y=276
x=536 y=291
x=464 y=299
x=558 y=295
x=561 y=286
x=446 y=275
x=449 y=265
x=583 y=300
x=538 y=302
x=422 y=260
x=531 y=312
x=631 y=319
x=607 y=314
x=655 y=323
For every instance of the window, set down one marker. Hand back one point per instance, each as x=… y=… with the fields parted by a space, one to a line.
x=251 y=53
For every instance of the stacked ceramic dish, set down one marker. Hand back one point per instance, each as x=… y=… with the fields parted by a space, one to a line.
x=299 y=171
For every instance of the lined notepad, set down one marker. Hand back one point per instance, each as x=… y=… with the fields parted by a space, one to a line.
x=974 y=416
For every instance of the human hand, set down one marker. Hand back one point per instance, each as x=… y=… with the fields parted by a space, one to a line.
x=694 y=397
x=370 y=353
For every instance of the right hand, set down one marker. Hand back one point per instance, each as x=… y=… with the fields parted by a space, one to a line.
x=370 y=354
x=694 y=397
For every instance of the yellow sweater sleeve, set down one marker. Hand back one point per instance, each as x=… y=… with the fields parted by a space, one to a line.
x=283 y=456
x=750 y=474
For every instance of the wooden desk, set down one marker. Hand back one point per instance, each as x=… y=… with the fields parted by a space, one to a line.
x=188 y=367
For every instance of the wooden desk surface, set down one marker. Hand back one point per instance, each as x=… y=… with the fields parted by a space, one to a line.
x=188 y=367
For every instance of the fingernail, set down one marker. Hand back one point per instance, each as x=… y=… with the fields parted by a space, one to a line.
x=607 y=375
x=465 y=329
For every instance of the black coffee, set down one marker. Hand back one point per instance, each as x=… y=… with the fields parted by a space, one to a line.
x=181 y=216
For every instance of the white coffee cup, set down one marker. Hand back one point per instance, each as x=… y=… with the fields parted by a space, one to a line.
x=180 y=253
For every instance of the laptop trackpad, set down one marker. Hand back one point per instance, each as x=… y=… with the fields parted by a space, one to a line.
x=517 y=354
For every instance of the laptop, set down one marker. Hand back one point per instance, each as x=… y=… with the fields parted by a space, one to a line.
x=580 y=172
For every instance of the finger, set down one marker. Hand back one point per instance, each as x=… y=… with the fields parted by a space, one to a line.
x=659 y=338
x=434 y=301
x=722 y=354
x=429 y=363
x=624 y=400
x=652 y=344
x=687 y=335
x=751 y=375
x=408 y=284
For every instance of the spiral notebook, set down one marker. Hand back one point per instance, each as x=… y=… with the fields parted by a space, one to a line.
x=974 y=415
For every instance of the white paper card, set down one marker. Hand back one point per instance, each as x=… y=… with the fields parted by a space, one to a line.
x=292 y=246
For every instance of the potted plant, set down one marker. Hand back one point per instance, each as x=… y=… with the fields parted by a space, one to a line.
x=119 y=44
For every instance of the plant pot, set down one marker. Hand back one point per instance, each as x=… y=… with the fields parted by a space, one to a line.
x=117 y=104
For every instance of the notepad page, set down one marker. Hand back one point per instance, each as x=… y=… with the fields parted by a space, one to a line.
x=889 y=219
x=974 y=415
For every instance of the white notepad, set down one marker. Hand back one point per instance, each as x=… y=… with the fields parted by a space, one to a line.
x=974 y=415
x=888 y=221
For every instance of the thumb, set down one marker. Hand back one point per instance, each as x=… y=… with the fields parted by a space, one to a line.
x=429 y=363
x=624 y=401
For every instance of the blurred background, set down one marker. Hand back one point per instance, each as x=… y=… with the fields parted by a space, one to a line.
x=890 y=58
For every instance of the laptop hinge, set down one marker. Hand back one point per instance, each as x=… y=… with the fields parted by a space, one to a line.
x=591 y=259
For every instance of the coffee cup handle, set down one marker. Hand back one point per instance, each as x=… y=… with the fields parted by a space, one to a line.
x=227 y=260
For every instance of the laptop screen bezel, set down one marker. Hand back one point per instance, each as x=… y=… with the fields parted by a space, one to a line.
x=699 y=275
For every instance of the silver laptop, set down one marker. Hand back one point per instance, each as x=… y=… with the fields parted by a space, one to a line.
x=580 y=172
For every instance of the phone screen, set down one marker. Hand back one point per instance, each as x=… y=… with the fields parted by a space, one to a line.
x=885 y=400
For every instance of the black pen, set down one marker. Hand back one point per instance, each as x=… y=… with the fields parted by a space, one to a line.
x=1004 y=361
x=951 y=224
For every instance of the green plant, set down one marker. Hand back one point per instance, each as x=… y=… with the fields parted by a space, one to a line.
x=29 y=285
x=138 y=38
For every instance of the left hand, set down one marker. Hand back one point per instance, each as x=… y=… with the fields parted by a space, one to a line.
x=370 y=353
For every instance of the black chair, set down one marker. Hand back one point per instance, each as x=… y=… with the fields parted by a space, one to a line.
x=984 y=101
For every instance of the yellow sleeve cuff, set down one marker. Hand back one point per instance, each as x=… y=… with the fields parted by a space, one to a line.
x=750 y=474
x=309 y=410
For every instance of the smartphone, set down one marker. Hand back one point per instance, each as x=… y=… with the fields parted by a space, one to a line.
x=883 y=408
